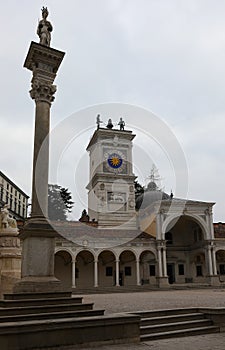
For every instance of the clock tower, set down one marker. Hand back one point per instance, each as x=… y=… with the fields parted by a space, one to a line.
x=111 y=196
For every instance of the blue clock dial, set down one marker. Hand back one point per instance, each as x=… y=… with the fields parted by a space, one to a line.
x=115 y=161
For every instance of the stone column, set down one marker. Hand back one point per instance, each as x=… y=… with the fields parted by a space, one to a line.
x=138 y=271
x=158 y=226
x=210 y=260
x=213 y=277
x=214 y=261
x=117 y=273
x=74 y=273
x=96 y=273
x=162 y=277
x=38 y=236
x=160 y=261
x=164 y=262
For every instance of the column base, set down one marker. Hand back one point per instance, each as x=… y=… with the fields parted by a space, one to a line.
x=213 y=280
x=162 y=282
x=39 y=285
x=38 y=251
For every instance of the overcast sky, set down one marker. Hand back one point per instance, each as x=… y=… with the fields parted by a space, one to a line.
x=166 y=56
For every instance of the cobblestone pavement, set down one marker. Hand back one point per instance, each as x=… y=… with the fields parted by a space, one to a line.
x=152 y=300
x=198 y=342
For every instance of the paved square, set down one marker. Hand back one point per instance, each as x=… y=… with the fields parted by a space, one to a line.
x=152 y=300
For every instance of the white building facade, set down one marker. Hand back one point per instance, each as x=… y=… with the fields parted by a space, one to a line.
x=165 y=242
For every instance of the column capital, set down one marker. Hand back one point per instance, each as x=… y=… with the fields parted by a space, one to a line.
x=42 y=91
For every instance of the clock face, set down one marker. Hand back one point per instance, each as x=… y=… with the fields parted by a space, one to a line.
x=115 y=161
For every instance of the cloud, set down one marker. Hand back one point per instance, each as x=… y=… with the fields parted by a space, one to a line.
x=167 y=56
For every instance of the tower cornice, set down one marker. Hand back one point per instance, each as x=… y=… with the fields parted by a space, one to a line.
x=104 y=134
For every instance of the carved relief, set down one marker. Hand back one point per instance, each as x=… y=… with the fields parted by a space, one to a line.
x=9 y=242
x=6 y=220
x=102 y=186
x=45 y=67
x=116 y=197
x=131 y=203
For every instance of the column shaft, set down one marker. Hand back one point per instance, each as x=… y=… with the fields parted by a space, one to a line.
x=41 y=160
x=214 y=261
x=160 y=261
x=117 y=273
x=164 y=263
x=96 y=273
x=73 y=273
x=138 y=271
x=210 y=261
x=158 y=227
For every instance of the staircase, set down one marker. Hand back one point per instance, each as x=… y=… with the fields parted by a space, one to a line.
x=38 y=320
x=163 y=324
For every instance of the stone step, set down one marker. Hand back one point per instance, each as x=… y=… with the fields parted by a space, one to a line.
x=6 y=303
x=168 y=323
x=171 y=318
x=68 y=332
x=165 y=312
x=180 y=333
x=37 y=295
x=167 y=327
x=52 y=315
x=113 y=289
x=44 y=309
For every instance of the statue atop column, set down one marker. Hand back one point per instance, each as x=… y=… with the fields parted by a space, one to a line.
x=44 y=28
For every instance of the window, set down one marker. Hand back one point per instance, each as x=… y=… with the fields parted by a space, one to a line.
x=108 y=271
x=222 y=269
x=169 y=237
x=7 y=186
x=199 y=270
x=127 y=271
x=152 y=270
x=76 y=273
x=10 y=201
x=181 y=269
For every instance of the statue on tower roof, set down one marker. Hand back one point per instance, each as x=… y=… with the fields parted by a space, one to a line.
x=44 y=28
x=121 y=124
x=110 y=124
x=98 y=121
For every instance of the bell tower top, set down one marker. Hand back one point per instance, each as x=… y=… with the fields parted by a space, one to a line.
x=111 y=185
